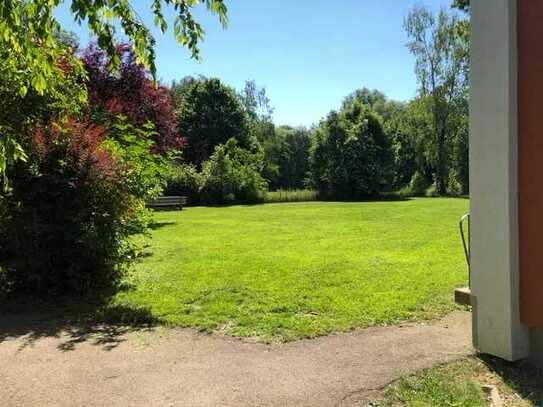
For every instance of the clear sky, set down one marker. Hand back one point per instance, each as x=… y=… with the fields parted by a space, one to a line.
x=309 y=54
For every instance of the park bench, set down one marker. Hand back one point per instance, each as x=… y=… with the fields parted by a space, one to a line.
x=167 y=202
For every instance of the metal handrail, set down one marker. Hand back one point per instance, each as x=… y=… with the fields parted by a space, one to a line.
x=466 y=245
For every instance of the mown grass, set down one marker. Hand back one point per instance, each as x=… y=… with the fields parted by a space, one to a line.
x=461 y=384
x=281 y=272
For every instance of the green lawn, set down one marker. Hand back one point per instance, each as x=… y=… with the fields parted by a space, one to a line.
x=292 y=270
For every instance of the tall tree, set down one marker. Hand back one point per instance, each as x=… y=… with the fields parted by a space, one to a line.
x=441 y=68
x=376 y=100
x=210 y=113
x=292 y=147
x=256 y=101
x=351 y=155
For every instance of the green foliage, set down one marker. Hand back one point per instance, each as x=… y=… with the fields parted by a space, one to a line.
x=442 y=61
x=22 y=106
x=209 y=114
x=146 y=172
x=29 y=29
x=377 y=101
x=74 y=204
x=35 y=55
x=184 y=180
x=431 y=191
x=10 y=152
x=418 y=184
x=461 y=4
x=287 y=157
x=232 y=174
x=351 y=154
x=454 y=187
x=256 y=102
x=459 y=148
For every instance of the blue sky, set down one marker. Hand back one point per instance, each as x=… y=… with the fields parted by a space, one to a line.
x=309 y=54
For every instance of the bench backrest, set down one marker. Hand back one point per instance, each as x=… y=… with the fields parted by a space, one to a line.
x=167 y=201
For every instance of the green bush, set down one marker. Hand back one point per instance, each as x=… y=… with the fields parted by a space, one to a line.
x=184 y=180
x=350 y=154
x=72 y=207
x=232 y=175
x=431 y=191
x=418 y=184
x=454 y=187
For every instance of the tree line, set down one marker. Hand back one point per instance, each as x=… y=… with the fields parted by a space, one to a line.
x=369 y=146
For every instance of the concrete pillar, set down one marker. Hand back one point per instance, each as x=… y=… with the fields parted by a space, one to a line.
x=497 y=327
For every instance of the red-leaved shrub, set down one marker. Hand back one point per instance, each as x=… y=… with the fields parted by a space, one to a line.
x=132 y=93
x=70 y=212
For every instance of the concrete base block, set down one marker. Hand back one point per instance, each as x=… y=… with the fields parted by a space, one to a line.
x=462 y=296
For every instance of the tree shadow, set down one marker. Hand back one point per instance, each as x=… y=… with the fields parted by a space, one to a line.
x=160 y=225
x=524 y=378
x=73 y=322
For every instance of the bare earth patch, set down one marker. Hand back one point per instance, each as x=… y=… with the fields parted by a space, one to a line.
x=49 y=364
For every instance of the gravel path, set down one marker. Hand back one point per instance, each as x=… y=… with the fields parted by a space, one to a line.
x=52 y=365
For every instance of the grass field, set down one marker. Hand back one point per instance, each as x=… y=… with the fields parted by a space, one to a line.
x=285 y=271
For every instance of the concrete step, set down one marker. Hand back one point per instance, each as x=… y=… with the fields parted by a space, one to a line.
x=462 y=296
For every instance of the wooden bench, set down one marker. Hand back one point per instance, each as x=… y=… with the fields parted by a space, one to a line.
x=167 y=202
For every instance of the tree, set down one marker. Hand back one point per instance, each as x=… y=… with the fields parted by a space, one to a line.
x=413 y=154
x=210 y=113
x=459 y=129
x=179 y=89
x=232 y=174
x=402 y=148
x=261 y=127
x=350 y=156
x=131 y=93
x=256 y=101
x=291 y=157
x=376 y=100
x=441 y=67
x=461 y=4
x=33 y=56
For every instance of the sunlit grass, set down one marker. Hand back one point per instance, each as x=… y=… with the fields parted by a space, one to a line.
x=461 y=384
x=287 y=271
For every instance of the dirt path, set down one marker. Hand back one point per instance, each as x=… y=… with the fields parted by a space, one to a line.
x=52 y=366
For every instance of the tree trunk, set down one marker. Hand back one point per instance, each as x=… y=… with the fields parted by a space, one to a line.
x=441 y=170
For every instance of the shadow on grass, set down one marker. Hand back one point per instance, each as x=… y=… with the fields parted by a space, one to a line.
x=160 y=225
x=72 y=321
x=382 y=198
x=525 y=379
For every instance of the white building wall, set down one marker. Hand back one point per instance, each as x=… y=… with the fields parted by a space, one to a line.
x=493 y=181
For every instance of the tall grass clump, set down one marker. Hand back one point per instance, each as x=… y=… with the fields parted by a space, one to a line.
x=291 y=195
